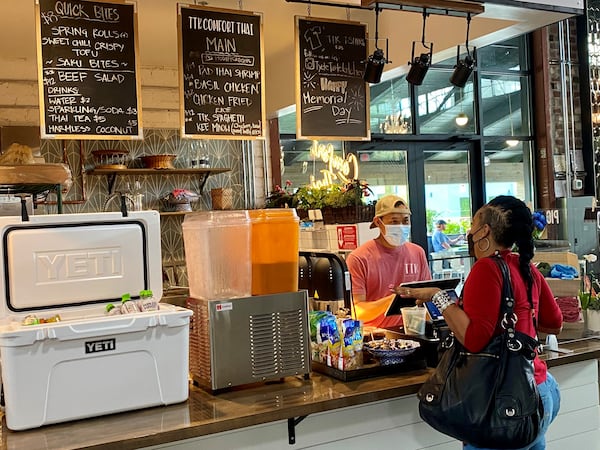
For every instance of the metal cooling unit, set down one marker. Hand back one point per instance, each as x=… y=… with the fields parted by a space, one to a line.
x=248 y=340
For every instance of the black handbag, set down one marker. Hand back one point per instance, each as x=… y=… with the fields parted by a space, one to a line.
x=487 y=399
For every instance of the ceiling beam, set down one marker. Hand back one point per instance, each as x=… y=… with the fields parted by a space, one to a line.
x=458 y=8
x=450 y=6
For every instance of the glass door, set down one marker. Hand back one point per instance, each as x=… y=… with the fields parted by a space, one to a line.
x=448 y=207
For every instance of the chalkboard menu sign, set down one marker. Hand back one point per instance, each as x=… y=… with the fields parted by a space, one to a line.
x=89 y=87
x=331 y=96
x=221 y=74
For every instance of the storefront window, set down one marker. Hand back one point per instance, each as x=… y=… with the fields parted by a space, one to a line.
x=390 y=107
x=509 y=55
x=441 y=106
x=385 y=171
x=508 y=170
x=505 y=105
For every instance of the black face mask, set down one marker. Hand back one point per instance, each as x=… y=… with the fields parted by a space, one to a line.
x=471 y=245
x=471 y=242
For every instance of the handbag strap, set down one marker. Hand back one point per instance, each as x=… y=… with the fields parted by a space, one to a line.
x=507 y=302
x=508 y=318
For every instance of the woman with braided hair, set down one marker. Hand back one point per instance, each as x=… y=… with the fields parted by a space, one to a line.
x=500 y=226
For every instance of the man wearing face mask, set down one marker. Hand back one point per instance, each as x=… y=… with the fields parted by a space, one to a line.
x=385 y=262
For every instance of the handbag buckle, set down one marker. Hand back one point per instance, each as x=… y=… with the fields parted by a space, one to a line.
x=508 y=322
x=510 y=412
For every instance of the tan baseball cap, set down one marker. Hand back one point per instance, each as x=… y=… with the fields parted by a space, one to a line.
x=390 y=204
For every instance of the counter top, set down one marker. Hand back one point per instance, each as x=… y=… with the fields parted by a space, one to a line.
x=240 y=407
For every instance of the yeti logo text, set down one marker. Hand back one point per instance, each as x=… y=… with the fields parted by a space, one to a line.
x=80 y=264
x=100 y=346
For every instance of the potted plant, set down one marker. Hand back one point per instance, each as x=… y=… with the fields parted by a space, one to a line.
x=346 y=204
x=588 y=296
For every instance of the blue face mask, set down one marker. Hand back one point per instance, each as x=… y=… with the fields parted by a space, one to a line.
x=406 y=232
x=397 y=235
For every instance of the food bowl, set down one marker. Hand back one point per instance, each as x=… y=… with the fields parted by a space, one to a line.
x=110 y=159
x=158 y=161
x=391 y=351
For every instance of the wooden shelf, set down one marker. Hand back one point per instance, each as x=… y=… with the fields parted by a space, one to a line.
x=183 y=171
x=34 y=179
x=174 y=213
x=203 y=173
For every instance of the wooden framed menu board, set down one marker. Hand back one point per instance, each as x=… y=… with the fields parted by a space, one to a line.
x=221 y=74
x=332 y=99
x=87 y=69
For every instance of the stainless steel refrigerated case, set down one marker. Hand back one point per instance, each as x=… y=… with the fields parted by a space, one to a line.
x=248 y=340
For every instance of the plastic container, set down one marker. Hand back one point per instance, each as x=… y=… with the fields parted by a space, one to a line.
x=275 y=235
x=414 y=319
x=217 y=254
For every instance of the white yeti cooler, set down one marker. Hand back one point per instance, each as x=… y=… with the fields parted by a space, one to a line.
x=88 y=364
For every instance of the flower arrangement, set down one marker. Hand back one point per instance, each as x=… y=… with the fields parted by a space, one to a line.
x=539 y=224
x=282 y=197
x=309 y=197
x=588 y=295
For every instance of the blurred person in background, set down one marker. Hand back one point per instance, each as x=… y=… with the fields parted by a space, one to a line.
x=440 y=240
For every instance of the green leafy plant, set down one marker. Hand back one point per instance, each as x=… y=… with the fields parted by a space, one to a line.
x=334 y=196
x=307 y=197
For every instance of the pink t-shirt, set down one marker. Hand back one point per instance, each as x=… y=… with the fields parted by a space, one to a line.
x=373 y=268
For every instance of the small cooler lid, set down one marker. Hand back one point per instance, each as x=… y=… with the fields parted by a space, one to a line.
x=77 y=261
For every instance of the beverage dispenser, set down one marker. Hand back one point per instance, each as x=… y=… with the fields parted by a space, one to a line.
x=217 y=252
x=275 y=236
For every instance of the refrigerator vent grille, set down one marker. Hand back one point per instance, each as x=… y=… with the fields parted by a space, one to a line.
x=277 y=342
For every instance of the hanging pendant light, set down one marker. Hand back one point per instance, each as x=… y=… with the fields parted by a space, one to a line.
x=511 y=142
x=461 y=119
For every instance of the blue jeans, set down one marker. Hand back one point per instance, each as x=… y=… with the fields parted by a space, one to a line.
x=551 y=399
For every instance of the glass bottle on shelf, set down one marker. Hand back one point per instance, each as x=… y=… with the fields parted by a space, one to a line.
x=138 y=197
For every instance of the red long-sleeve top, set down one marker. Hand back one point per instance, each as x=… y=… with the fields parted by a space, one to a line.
x=481 y=302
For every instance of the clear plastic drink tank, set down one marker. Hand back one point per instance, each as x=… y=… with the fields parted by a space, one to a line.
x=217 y=254
x=275 y=234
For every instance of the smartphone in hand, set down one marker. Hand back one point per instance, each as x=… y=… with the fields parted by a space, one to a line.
x=436 y=315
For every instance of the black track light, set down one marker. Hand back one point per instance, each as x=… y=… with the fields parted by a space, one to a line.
x=376 y=61
x=462 y=71
x=418 y=68
x=464 y=67
x=419 y=65
x=374 y=67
